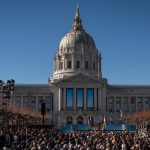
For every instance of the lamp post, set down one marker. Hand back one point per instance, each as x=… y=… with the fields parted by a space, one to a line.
x=52 y=111
x=43 y=111
x=6 y=90
x=10 y=85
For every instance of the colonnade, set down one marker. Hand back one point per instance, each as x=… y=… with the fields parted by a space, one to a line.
x=31 y=101
x=128 y=104
x=73 y=58
x=97 y=103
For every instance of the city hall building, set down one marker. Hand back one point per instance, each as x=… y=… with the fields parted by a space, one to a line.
x=77 y=89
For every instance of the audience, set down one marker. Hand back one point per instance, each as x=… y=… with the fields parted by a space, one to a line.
x=46 y=139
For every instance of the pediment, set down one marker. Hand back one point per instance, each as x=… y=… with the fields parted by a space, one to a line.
x=79 y=78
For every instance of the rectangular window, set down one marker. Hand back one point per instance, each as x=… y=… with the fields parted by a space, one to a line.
x=118 y=104
x=33 y=101
x=133 y=100
x=61 y=65
x=147 y=102
x=110 y=104
x=93 y=65
x=125 y=104
x=90 y=97
x=133 y=104
x=69 y=64
x=86 y=65
x=18 y=100
x=140 y=103
x=25 y=101
x=69 y=97
x=40 y=99
x=78 y=64
x=48 y=103
x=80 y=97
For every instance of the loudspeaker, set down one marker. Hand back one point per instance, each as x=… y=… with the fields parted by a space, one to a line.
x=42 y=108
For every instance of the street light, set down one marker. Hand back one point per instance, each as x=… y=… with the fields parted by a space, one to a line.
x=1 y=85
x=7 y=89
x=43 y=111
x=10 y=84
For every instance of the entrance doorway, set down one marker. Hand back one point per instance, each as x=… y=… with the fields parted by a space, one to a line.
x=69 y=120
x=79 y=120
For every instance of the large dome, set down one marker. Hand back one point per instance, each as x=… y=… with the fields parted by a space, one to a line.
x=77 y=53
x=77 y=37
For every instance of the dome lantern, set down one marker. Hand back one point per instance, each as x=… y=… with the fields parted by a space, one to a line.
x=77 y=24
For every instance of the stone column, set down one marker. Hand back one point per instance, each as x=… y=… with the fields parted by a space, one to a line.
x=99 y=99
x=73 y=61
x=57 y=63
x=114 y=104
x=143 y=103
x=82 y=62
x=21 y=102
x=65 y=62
x=85 y=100
x=129 y=102
x=74 y=99
x=64 y=100
x=59 y=99
x=36 y=103
x=136 y=104
x=103 y=99
x=54 y=63
x=95 y=99
x=122 y=103
x=98 y=67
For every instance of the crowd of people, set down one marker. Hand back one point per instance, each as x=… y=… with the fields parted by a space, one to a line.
x=52 y=139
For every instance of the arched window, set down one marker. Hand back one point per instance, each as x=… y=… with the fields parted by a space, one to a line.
x=86 y=65
x=79 y=120
x=61 y=65
x=69 y=120
x=69 y=64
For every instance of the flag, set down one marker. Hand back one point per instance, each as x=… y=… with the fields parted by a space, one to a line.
x=90 y=121
x=104 y=122
x=120 y=114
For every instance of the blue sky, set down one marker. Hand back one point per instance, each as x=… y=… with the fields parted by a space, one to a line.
x=30 y=32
